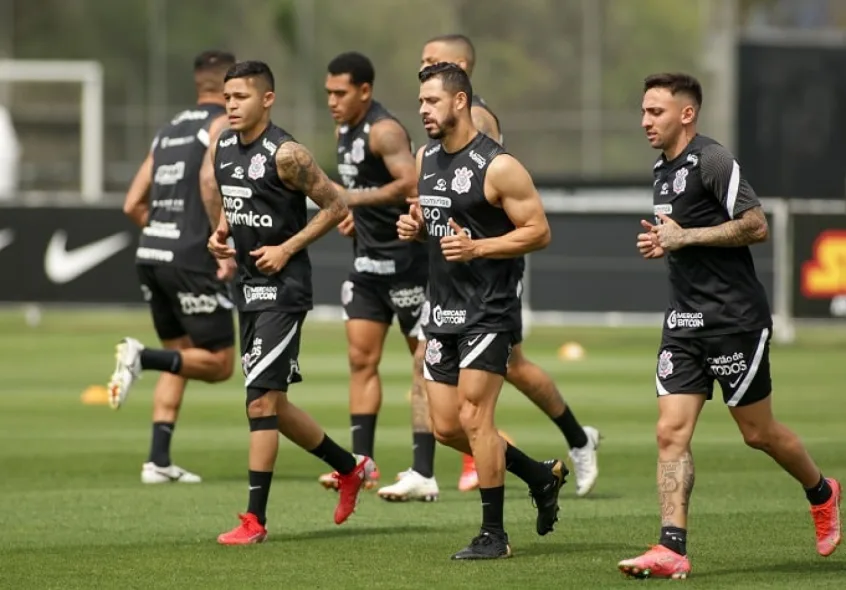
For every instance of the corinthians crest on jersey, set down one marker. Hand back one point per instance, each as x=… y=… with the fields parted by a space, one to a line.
x=256 y=169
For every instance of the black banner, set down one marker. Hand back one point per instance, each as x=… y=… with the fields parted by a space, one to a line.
x=819 y=262
x=74 y=255
x=86 y=255
x=790 y=118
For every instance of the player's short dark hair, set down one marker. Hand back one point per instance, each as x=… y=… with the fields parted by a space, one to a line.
x=458 y=39
x=453 y=78
x=676 y=83
x=356 y=64
x=251 y=69
x=213 y=59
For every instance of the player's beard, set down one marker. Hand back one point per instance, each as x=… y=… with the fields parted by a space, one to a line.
x=444 y=128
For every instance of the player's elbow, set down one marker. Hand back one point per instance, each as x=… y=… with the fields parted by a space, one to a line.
x=338 y=210
x=760 y=232
x=542 y=237
x=135 y=210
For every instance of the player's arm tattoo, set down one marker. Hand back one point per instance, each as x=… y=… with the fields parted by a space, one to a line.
x=136 y=206
x=484 y=121
x=675 y=485
x=750 y=228
x=298 y=170
x=389 y=141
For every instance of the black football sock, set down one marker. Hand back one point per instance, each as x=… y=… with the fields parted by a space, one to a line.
x=571 y=429
x=493 y=502
x=334 y=455
x=363 y=428
x=674 y=539
x=160 y=445
x=424 y=453
x=169 y=361
x=820 y=493
x=534 y=473
x=259 y=492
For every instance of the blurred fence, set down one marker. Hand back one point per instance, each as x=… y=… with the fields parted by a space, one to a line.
x=563 y=75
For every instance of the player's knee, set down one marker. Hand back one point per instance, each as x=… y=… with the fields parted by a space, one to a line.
x=363 y=359
x=446 y=431
x=473 y=418
x=516 y=373
x=672 y=434
x=223 y=366
x=756 y=437
x=260 y=403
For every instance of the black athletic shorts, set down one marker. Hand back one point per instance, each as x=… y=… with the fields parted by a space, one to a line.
x=270 y=349
x=447 y=354
x=188 y=303
x=424 y=323
x=379 y=300
x=739 y=362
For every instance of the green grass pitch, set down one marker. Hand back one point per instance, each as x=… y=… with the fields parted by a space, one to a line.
x=75 y=515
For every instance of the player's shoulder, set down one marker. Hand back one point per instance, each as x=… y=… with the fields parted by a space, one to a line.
x=487 y=149
x=710 y=149
x=430 y=149
x=228 y=137
x=380 y=120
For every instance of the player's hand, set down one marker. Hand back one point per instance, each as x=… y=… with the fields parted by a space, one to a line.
x=271 y=259
x=647 y=243
x=347 y=226
x=226 y=268
x=217 y=244
x=410 y=224
x=458 y=248
x=670 y=234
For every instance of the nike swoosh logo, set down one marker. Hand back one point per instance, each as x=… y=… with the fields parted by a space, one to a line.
x=227 y=165
x=7 y=236
x=428 y=176
x=63 y=266
x=733 y=384
x=472 y=342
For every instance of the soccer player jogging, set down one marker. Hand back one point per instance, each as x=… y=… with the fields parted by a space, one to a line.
x=718 y=324
x=478 y=213
x=264 y=176
x=388 y=276
x=531 y=380
x=183 y=284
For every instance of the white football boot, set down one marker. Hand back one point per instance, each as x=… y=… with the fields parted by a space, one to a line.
x=127 y=371
x=411 y=485
x=152 y=474
x=584 y=462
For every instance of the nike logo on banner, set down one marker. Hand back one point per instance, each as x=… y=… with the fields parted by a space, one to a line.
x=7 y=236
x=63 y=266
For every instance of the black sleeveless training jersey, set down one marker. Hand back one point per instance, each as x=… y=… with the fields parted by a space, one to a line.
x=262 y=211
x=478 y=101
x=713 y=290
x=479 y=296
x=377 y=249
x=177 y=230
